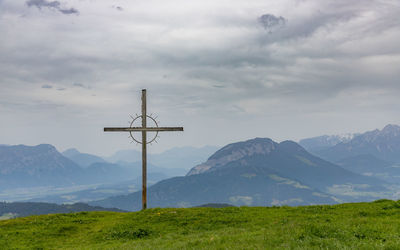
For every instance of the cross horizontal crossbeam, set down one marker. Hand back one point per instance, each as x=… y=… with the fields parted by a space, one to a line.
x=143 y=129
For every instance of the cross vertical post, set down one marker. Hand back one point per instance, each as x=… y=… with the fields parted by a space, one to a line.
x=144 y=153
x=144 y=129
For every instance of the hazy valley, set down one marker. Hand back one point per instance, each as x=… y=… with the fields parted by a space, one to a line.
x=256 y=172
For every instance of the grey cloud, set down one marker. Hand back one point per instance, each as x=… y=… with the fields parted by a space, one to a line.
x=61 y=89
x=43 y=3
x=271 y=22
x=47 y=86
x=329 y=14
x=69 y=11
x=80 y=85
x=51 y=5
x=118 y=8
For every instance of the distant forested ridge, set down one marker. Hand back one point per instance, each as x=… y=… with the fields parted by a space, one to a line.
x=21 y=209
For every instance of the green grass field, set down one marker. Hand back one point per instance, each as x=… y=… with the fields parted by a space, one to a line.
x=373 y=225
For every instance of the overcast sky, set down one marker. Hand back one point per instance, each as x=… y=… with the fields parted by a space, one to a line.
x=224 y=70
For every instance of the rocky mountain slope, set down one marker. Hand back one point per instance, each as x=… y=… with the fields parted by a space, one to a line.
x=33 y=166
x=383 y=144
x=319 y=143
x=24 y=166
x=287 y=158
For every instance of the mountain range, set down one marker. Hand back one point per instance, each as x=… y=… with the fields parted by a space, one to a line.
x=257 y=172
x=373 y=153
x=34 y=166
x=41 y=173
x=26 y=166
x=383 y=144
x=322 y=142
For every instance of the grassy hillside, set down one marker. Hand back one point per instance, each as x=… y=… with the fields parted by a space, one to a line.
x=361 y=225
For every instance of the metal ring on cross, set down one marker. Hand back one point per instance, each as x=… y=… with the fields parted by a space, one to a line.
x=131 y=132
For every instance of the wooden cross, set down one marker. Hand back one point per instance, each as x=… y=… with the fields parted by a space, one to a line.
x=144 y=129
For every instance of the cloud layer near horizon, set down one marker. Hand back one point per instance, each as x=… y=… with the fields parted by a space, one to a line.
x=287 y=69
